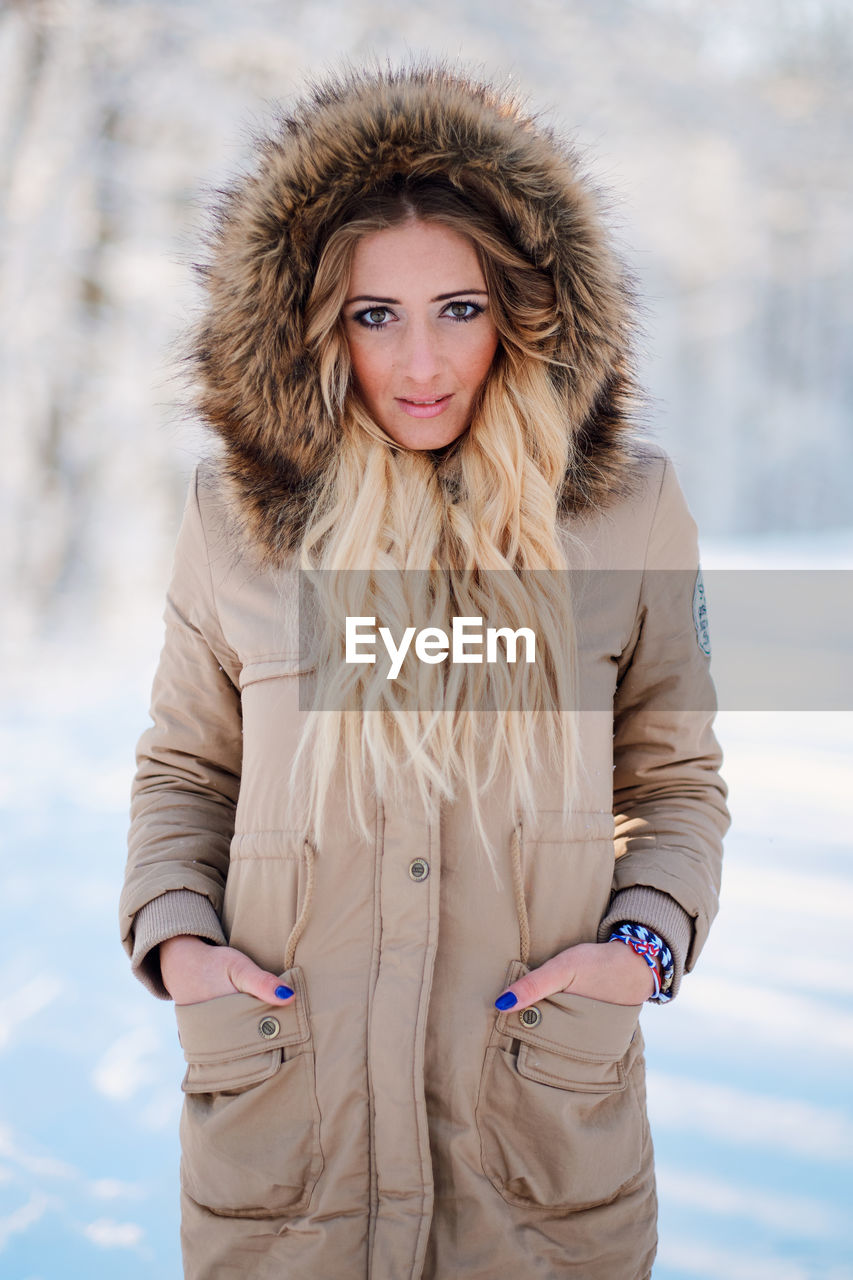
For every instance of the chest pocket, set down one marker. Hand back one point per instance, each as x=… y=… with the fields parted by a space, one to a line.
x=561 y=1112
x=250 y=1123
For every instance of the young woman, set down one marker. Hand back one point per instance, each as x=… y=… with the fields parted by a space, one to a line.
x=409 y=910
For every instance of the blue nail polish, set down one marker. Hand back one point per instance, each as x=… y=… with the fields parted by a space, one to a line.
x=506 y=1001
x=283 y=992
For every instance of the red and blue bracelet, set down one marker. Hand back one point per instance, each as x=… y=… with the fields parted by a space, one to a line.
x=654 y=951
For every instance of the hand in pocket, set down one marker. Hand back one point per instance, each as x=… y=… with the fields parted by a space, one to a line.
x=194 y=970
x=606 y=971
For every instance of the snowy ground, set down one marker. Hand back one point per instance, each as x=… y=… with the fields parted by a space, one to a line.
x=749 y=1075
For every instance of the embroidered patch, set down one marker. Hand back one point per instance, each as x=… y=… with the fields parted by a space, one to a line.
x=700 y=615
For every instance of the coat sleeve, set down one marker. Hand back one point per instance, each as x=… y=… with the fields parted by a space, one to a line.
x=185 y=790
x=669 y=800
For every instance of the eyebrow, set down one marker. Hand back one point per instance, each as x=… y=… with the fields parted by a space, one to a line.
x=395 y=302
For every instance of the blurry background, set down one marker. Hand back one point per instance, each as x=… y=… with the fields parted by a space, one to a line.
x=721 y=131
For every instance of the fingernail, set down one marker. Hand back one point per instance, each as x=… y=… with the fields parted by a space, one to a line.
x=283 y=993
x=506 y=1001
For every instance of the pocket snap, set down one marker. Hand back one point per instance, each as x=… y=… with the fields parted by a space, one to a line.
x=559 y=1114
x=250 y=1120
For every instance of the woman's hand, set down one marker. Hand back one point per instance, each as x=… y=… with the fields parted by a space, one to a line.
x=608 y=971
x=193 y=971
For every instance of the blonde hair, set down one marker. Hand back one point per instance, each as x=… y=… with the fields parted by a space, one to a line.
x=468 y=520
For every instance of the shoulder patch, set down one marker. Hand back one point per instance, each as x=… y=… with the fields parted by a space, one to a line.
x=700 y=615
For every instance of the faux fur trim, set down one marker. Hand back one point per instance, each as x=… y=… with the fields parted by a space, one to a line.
x=258 y=388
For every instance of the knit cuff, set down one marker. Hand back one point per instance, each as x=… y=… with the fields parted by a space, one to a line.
x=641 y=904
x=176 y=912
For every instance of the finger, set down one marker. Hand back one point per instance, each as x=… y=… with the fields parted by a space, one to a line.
x=254 y=981
x=554 y=975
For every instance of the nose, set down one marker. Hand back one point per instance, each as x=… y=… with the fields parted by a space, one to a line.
x=420 y=358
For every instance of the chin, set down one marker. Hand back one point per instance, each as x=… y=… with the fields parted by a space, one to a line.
x=425 y=440
x=428 y=444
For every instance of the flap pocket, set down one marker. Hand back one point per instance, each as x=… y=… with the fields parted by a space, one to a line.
x=576 y=1042
x=250 y=1122
x=237 y=1040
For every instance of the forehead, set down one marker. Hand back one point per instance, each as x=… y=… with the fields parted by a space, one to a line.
x=416 y=255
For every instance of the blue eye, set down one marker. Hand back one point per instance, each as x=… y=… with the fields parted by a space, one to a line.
x=361 y=316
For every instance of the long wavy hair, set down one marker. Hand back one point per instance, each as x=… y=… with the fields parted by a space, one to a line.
x=417 y=537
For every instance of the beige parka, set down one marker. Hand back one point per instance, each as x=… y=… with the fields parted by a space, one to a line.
x=389 y=1123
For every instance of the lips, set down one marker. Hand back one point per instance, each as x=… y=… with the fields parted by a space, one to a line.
x=423 y=408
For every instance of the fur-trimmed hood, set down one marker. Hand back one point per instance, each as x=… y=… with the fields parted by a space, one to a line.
x=258 y=387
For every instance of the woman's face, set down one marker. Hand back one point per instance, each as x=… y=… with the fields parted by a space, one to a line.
x=419 y=330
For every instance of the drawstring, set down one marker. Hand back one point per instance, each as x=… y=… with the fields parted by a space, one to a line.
x=518 y=886
x=302 y=918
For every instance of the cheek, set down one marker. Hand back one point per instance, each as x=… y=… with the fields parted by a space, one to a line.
x=481 y=358
x=368 y=367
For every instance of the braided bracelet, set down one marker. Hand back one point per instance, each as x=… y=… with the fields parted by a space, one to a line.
x=652 y=948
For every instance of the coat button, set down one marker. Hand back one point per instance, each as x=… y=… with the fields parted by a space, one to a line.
x=530 y=1017
x=419 y=870
x=269 y=1027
